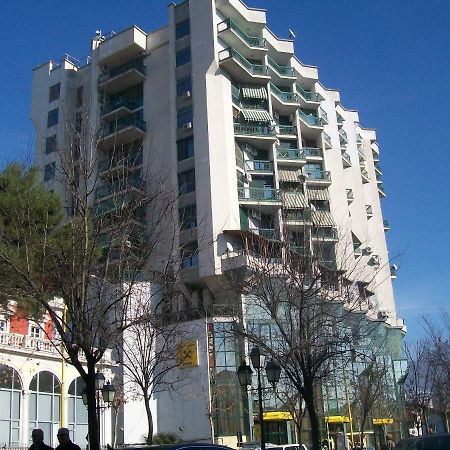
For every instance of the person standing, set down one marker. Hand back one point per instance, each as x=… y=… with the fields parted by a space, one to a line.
x=37 y=436
x=64 y=440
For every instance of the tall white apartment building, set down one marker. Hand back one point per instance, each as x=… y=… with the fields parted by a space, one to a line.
x=253 y=143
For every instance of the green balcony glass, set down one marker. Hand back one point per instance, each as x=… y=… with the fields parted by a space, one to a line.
x=259 y=194
x=251 y=41
x=259 y=166
x=290 y=153
x=318 y=175
x=254 y=69
x=254 y=130
x=131 y=120
x=286 y=129
x=284 y=71
x=266 y=233
x=136 y=64
x=312 y=152
x=308 y=95
x=310 y=119
x=286 y=97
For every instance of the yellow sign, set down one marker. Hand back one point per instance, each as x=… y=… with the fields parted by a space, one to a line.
x=187 y=354
x=337 y=419
x=277 y=415
x=387 y=421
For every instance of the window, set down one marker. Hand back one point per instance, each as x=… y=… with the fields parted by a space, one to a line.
x=49 y=171
x=186 y=181
x=10 y=398
x=185 y=149
x=184 y=116
x=50 y=144
x=188 y=217
x=35 y=331
x=54 y=92
x=52 y=118
x=3 y=326
x=182 y=29
x=189 y=254
x=79 y=98
x=78 y=420
x=184 y=85
x=183 y=56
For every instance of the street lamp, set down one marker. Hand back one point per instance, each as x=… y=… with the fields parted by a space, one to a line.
x=107 y=391
x=244 y=373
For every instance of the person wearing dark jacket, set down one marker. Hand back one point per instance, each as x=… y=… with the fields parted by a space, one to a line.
x=64 y=440
x=37 y=436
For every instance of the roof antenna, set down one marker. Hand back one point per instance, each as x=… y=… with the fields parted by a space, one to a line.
x=292 y=35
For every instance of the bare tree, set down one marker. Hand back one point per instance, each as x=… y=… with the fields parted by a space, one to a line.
x=301 y=310
x=119 y=228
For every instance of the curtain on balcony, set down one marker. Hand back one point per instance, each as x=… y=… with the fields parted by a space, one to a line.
x=289 y=175
x=295 y=200
x=254 y=92
x=322 y=219
x=318 y=194
x=256 y=115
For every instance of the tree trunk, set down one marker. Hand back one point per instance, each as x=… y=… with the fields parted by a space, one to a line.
x=445 y=421
x=308 y=397
x=93 y=424
x=149 y=418
x=361 y=433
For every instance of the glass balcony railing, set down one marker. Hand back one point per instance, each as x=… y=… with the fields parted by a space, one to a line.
x=377 y=166
x=254 y=130
x=308 y=95
x=327 y=139
x=350 y=194
x=130 y=161
x=260 y=194
x=312 y=152
x=310 y=119
x=131 y=120
x=340 y=119
x=254 y=69
x=318 y=175
x=266 y=233
x=346 y=158
x=286 y=129
x=325 y=233
x=343 y=137
x=285 y=71
x=235 y=94
x=287 y=97
x=290 y=153
x=386 y=224
x=259 y=166
x=113 y=188
x=365 y=174
x=130 y=104
x=296 y=216
x=136 y=64
x=381 y=189
x=251 y=41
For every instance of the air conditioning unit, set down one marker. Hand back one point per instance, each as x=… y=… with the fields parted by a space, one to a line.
x=187 y=94
x=255 y=214
x=187 y=126
x=413 y=432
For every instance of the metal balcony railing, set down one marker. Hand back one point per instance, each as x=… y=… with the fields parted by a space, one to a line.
x=254 y=130
x=267 y=233
x=131 y=120
x=290 y=153
x=318 y=175
x=260 y=194
x=308 y=95
x=251 y=41
x=254 y=69
x=259 y=165
x=130 y=104
x=281 y=70
x=312 y=152
x=286 y=129
x=136 y=64
x=310 y=119
x=130 y=161
x=287 y=97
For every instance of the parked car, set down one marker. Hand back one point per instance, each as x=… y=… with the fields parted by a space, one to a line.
x=287 y=447
x=429 y=442
x=180 y=446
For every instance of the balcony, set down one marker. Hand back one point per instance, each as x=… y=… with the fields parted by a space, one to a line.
x=320 y=177
x=240 y=68
x=281 y=72
x=126 y=129
x=296 y=217
x=361 y=158
x=386 y=225
x=350 y=196
x=258 y=166
x=343 y=138
x=115 y=205
x=308 y=96
x=325 y=234
x=310 y=120
x=378 y=168
x=256 y=135
x=346 y=161
x=358 y=138
x=369 y=211
x=290 y=156
x=381 y=191
x=326 y=140
x=340 y=119
x=323 y=116
x=266 y=233
x=259 y=196
x=286 y=130
x=301 y=250
x=365 y=176
x=312 y=153
x=121 y=107
x=234 y=36
x=128 y=185
x=129 y=163
x=122 y=77
x=284 y=102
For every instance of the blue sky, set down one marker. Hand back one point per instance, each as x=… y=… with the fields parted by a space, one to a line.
x=389 y=58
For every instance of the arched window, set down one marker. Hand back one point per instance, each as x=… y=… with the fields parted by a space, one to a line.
x=78 y=417
x=10 y=404
x=45 y=401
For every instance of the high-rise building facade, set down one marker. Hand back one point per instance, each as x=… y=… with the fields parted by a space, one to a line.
x=252 y=143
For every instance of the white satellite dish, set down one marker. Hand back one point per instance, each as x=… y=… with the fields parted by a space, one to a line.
x=229 y=247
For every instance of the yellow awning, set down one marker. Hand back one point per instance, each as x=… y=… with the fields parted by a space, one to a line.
x=318 y=194
x=254 y=92
x=256 y=115
x=384 y=421
x=277 y=415
x=293 y=200
x=290 y=175
x=322 y=219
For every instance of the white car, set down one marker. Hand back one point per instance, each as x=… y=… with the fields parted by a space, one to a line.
x=287 y=447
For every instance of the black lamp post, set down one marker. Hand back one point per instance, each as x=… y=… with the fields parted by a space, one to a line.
x=107 y=391
x=244 y=373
